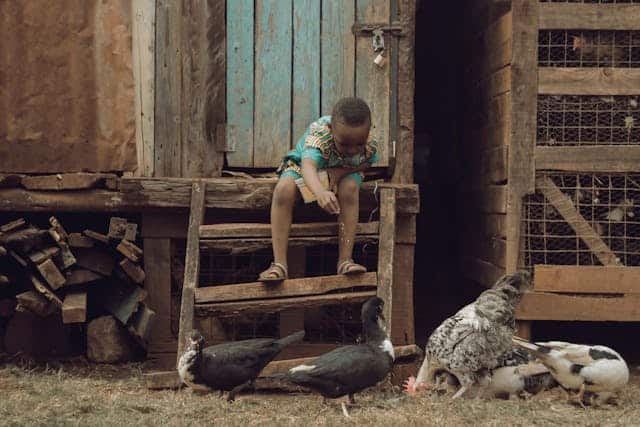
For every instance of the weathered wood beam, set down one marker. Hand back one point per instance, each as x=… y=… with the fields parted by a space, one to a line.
x=66 y=181
x=386 y=252
x=587 y=279
x=315 y=229
x=589 y=159
x=588 y=81
x=549 y=306
x=238 y=246
x=287 y=288
x=589 y=16
x=74 y=308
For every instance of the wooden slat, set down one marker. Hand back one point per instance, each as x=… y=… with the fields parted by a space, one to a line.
x=243 y=230
x=191 y=264
x=576 y=221
x=588 y=81
x=480 y=271
x=143 y=58
x=65 y=181
x=373 y=83
x=548 y=306
x=273 y=41
x=587 y=279
x=279 y=304
x=306 y=66
x=589 y=16
x=523 y=130
x=288 y=288
x=74 y=308
x=240 y=87
x=157 y=262
x=386 y=252
x=337 y=52
x=245 y=245
x=587 y=159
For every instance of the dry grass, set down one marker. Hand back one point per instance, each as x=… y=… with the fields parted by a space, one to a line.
x=115 y=395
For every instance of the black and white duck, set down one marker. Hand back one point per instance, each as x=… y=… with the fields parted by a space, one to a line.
x=230 y=366
x=353 y=368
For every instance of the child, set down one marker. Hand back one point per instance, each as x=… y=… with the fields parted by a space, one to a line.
x=341 y=145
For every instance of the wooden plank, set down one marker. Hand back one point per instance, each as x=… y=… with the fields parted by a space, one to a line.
x=96 y=260
x=386 y=253
x=279 y=304
x=36 y=303
x=240 y=82
x=129 y=250
x=168 y=86
x=588 y=81
x=143 y=28
x=98 y=237
x=239 y=246
x=480 y=271
x=65 y=181
x=192 y=264
x=311 y=229
x=587 y=279
x=162 y=380
x=337 y=52
x=548 y=306
x=40 y=287
x=79 y=276
x=141 y=324
x=40 y=256
x=157 y=261
x=521 y=172
x=287 y=288
x=74 y=308
x=120 y=299
x=564 y=205
x=133 y=271
x=373 y=82
x=13 y=225
x=306 y=66
x=77 y=240
x=589 y=159
x=403 y=323
x=51 y=274
x=589 y=16
x=273 y=41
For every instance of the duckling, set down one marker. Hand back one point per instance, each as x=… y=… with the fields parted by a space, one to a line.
x=230 y=366
x=350 y=369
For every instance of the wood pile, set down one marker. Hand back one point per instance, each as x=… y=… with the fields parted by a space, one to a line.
x=82 y=275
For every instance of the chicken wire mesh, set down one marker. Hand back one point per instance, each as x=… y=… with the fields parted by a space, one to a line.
x=608 y=202
x=588 y=120
x=580 y=48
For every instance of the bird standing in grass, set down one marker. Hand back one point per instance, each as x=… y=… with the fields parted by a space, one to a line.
x=474 y=341
x=593 y=369
x=353 y=368
x=230 y=366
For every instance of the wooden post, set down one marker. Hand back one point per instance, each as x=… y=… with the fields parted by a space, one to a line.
x=157 y=263
x=386 y=251
x=192 y=264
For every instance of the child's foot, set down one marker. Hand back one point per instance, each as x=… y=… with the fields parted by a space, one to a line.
x=276 y=272
x=348 y=267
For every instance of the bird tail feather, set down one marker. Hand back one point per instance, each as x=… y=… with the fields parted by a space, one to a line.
x=290 y=339
x=538 y=350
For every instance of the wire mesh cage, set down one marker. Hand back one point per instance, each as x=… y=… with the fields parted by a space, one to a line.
x=609 y=203
x=588 y=120
x=581 y=48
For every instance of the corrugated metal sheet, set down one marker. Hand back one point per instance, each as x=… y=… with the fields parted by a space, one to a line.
x=66 y=86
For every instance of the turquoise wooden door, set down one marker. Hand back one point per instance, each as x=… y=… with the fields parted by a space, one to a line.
x=288 y=62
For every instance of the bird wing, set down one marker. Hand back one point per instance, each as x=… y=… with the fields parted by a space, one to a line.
x=575 y=353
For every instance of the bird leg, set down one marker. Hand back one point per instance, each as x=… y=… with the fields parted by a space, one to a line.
x=344 y=410
x=232 y=394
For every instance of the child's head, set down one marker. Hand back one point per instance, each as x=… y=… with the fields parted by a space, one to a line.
x=350 y=124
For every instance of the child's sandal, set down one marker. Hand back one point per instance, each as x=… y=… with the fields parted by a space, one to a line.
x=348 y=267
x=276 y=272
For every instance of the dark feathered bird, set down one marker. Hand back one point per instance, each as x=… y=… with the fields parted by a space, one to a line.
x=352 y=368
x=229 y=366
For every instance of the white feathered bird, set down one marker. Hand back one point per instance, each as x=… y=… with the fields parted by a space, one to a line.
x=474 y=341
x=596 y=369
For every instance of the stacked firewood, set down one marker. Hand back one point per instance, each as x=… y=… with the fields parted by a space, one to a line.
x=80 y=274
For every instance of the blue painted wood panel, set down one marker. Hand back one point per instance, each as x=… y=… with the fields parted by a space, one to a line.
x=272 y=116
x=306 y=65
x=240 y=90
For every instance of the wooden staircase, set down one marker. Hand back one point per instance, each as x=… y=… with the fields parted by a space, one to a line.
x=235 y=299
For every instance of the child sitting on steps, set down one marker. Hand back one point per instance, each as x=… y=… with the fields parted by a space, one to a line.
x=339 y=144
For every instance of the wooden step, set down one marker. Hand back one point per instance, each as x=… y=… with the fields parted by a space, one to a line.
x=311 y=229
x=289 y=288
x=227 y=309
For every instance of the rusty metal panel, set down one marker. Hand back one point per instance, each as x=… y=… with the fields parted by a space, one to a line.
x=66 y=86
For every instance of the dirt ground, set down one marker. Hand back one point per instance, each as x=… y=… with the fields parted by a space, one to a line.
x=115 y=395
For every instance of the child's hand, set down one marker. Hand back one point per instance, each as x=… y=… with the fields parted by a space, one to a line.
x=328 y=201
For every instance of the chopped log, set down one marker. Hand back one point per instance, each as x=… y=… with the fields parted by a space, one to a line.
x=51 y=274
x=26 y=240
x=117 y=228
x=4 y=280
x=13 y=225
x=129 y=250
x=55 y=224
x=109 y=342
x=67 y=181
x=40 y=287
x=120 y=299
x=141 y=323
x=96 y=260
x=162 y=380
x=18 y=259
x=74 y=308
x=66 y=258
x=133 y=271
x=3 y=251
x=81 y=276
x=131 y=232
x=40 y=256
x=99 y=237
x=36 y=303
x=77 y=240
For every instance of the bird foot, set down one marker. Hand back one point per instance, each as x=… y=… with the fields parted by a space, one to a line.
x=413 y=388
x=344 y=410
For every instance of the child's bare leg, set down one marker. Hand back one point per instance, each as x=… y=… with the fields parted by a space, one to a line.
x=348 y=196
x=284 y=197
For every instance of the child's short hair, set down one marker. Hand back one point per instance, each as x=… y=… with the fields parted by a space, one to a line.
x=351 y=111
